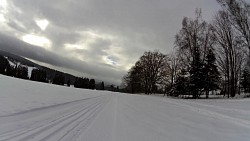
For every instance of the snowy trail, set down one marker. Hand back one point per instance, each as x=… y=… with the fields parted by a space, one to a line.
x=50 y=123
x=152 y=118
x=30 y=113
x=234 y=116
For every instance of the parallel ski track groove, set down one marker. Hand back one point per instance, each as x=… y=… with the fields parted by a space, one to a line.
x=69 y=118
x=91 y=116
x=31 y=128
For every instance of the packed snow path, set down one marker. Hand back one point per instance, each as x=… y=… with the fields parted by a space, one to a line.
x=31 y=111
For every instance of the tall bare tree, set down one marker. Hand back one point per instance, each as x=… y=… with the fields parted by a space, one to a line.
x=194 y=33
x=155 y=70
x=133 y=80
x=149 y=72
x=193 y=42
x=230 y=55
x=239 y=17
x=174 y=67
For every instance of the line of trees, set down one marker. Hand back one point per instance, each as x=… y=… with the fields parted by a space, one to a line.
x=38 y=75
x=18 y=71
x=21 y=71
x=209 y=57
x=85 y=83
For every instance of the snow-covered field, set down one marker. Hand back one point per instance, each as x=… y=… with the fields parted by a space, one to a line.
x=37 y=111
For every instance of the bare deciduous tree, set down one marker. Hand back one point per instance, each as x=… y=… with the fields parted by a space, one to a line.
x=229 y=52
x=239 y=17
x=149 y=72
x=193 y=42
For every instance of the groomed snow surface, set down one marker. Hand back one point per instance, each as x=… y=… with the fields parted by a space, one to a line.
x=32 y=111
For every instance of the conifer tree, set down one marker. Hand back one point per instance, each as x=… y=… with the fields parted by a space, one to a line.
x=181 y=84
x=196 y=74
x=4 y=64
x=59 y=79
x=212 y=75
x=245 y=80
x=68 y=83
x=92 y=84
x=102 y=85
x=38 y=75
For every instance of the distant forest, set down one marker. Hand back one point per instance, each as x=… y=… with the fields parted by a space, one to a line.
x=46 y=75
x=209 y=58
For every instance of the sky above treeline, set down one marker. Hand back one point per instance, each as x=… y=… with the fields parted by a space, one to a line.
x=100 y=39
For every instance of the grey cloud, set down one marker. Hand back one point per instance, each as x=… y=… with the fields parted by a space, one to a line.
x=60 y=36
x=139 y=15
x=136 y=26
x=37 y=53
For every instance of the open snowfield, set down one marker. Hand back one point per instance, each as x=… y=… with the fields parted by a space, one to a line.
x=37 y=111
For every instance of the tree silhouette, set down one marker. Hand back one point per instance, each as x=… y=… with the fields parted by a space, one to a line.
x=150 y=70
x=212 y=75
x=92 y=84
x=59 y=79
x=4 y=64
x=102 y=86
x=38 y=75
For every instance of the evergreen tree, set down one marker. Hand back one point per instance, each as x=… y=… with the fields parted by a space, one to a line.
x=76 y=85
x=245 y=80
x=212 y=75
x=112 y=88
x=117 y=89
x=21 y=72
x=196 y=74
x=181 y=84
x=59 y=79
x=102 y=86
x=92 y=84
x=86 y=83
x=68 y=83
x=43 y=76
x=10 y=71
x=38 y=75
x=4 y=64
x=78 y=82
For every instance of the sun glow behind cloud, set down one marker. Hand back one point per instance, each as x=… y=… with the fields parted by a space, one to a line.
x=3 y=4
x=3 y=10
x=37 y=41
x=2 y=18
x=108 y=60
x=42 y=23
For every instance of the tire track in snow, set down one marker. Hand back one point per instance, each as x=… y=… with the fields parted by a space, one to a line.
x=72 y=119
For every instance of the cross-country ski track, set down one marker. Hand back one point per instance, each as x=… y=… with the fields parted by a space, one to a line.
x=32 y=111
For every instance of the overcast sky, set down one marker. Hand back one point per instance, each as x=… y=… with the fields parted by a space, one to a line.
x=93 y=38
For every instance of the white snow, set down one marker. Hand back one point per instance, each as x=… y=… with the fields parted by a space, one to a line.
x=37 y=111
x=30 y=70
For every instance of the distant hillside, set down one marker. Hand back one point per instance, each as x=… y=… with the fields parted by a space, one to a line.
x=20 y=59
x=50 y=72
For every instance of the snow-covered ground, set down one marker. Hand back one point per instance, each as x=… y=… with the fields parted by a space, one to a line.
x=37 y=111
